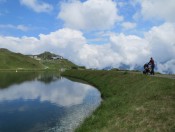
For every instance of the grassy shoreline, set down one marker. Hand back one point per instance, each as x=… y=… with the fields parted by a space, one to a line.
x=131 y=102
x=26 y=70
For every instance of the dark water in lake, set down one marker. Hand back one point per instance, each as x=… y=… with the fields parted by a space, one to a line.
x=37 y=102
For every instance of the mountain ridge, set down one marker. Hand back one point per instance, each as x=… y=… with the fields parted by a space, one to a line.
x=13 y=61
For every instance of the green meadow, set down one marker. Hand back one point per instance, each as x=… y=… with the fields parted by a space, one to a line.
x=13 y=61
x=10 y=61
x=131 y=102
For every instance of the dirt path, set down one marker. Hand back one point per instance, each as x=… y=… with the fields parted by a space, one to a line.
x=171 y=76
x=165 y=76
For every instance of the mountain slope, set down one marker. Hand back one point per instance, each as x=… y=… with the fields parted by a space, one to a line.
x=47 y=56
x=11 y=60
x=53 y=61
x=57 y=64
x=46 y=60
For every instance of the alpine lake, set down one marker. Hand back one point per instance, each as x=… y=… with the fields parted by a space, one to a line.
x=44 y=102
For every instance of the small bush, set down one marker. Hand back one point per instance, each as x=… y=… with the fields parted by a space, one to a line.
x=82 y=67
x=74 y=67
x=126 y=72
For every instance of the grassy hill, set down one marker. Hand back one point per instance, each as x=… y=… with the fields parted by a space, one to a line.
x=57 y=64
x=132 y=102
x=47 y=55
x=11 y=60
x=53 y=61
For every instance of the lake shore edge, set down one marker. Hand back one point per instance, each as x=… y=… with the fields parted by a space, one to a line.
x=131 y=102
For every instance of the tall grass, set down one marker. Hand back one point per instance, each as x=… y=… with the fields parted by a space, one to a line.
x=131 y=102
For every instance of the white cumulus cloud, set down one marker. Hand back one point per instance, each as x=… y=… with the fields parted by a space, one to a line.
x=90 y=15
x=24 y=44
x=162 y=42
x=66 y=42
x=168 y=67
x=128 y=25
x=131 y=50
x=10 y=26
x=37 y=6
x=161 y=9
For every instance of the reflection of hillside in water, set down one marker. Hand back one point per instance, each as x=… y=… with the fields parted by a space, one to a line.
x=10 y=78
x=48 y=77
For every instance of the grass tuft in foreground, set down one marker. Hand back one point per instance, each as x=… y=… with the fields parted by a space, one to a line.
x=131 y=102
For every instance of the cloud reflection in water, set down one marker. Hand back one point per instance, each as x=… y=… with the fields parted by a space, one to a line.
x=62 y=92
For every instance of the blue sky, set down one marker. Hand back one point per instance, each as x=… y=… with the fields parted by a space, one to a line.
x=94 y=33
x=14 y=13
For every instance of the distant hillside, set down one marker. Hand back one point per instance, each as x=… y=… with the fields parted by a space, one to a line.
x=53 y=61
x=48 y=56
x=46 y=60
x=11 y=60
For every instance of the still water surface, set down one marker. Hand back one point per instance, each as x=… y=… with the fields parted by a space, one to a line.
x=37 y=102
